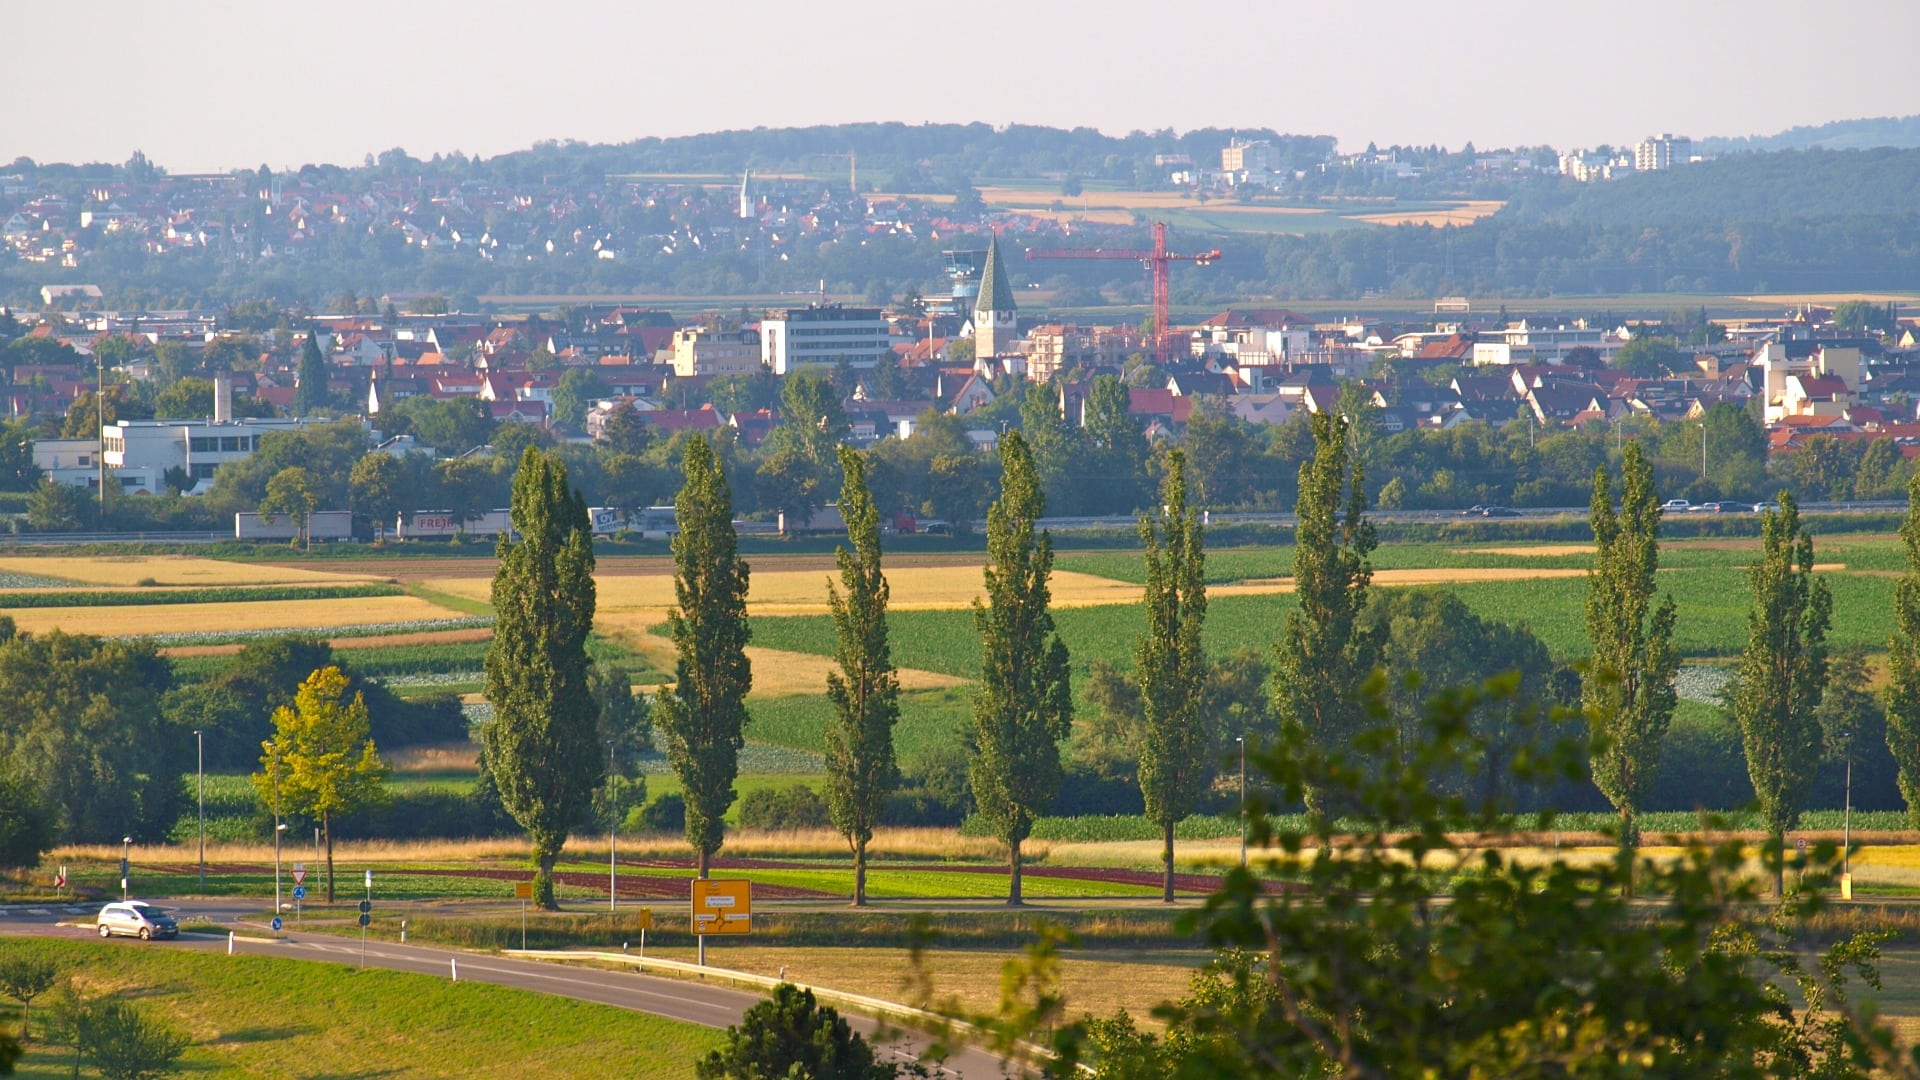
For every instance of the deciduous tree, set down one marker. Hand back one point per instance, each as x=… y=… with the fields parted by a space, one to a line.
x=1781 y=676
x=1324 y=653
x=701 y=720
x=294 y=492
x=542 y=744
x=1171 y=663
x=865 y=692
x=1628 y=686
x=1024 y=706
x=327 y=762
x=378 y=490
x=24 y=977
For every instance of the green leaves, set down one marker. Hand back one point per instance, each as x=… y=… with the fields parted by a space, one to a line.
x=1171 y=662
x=543 y=745
x=701 y=721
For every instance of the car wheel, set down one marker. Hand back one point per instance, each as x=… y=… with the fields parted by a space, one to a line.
x=105 y=930
x=146 y=934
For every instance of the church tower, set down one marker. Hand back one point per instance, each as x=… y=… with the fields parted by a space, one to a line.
x=996 y=326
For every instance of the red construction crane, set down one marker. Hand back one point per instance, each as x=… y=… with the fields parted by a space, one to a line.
x=1156 y=260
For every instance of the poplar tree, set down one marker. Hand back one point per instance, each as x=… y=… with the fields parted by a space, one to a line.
x=1627 y=690
x=1024 y=706
x=1325 y=654
x=1903 y=661
x=1782 y=675
x=310 y=385
x=542 y=744
x=865 y=692
x=702 y=720
x=1171 y=662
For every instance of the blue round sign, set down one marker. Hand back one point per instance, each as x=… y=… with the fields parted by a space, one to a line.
x=299 y=892
x=277 y=924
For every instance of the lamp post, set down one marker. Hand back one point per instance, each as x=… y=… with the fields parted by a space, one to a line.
x=1703 y=449
x=1242 y=740
x=279 y=827
x=126 y=856
x=200 y=754
x=613 y=834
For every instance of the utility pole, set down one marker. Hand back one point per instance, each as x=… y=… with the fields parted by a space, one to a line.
x=613 y=835
x=1242 y=740
x=279 y=829
x=1703 y=449
x=200 y=754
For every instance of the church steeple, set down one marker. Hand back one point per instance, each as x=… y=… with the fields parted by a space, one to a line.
x=995 y=321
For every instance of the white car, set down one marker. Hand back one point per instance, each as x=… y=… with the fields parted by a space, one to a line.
x=136 y=918
x=1676 y=504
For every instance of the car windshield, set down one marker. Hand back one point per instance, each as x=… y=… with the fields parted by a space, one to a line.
x=147 y=910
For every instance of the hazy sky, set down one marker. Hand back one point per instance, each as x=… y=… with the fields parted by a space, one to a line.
x=206 y=84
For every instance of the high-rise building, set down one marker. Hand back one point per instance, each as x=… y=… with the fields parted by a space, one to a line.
x=822 y=335
x=1662 y=152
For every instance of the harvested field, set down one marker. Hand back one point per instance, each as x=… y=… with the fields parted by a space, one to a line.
x=129 y=570
x=1464 y=214
x=1540 y=551
x=122 y=621
x=1396 y=578
x=776 y=672
x=443 y=758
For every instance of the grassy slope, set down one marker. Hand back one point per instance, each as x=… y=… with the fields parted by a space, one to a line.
x=262 y=1017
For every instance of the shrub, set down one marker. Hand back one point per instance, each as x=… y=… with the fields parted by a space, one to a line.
x=666 y=814
x=796 y=807
x=791 y=1035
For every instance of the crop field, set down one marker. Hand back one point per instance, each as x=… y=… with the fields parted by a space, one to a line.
x=132 y=570
x=264 y=1016
x=1184 y=210
x=124 y=620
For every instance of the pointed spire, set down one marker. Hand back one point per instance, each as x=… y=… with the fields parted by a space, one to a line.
x=996 y=290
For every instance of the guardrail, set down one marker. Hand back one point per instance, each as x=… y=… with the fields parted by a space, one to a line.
x=50 y=539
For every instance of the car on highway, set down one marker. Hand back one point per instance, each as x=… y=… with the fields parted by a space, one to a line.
x=1499 y=512
x=1763 y=507
x=1476 y=510
x=1718 y=508
x=136 y=918
x=1676 y=504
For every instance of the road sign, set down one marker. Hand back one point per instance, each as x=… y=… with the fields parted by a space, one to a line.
x=1801 y=845
x=60 y=879
x=299 y=873
x=369 y=879
x=366 y=906
x=299 y=892
x=277 y=923
x=722 y=907
x=523 y=890
x=365 y=919
x=646 y=918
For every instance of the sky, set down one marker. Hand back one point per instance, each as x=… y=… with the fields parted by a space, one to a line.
x=200 y=85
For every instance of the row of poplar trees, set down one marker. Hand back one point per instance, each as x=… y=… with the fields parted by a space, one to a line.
x=542 y=744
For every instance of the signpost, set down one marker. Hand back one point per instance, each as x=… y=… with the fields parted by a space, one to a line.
x=299 y=873
x=366 y=918
x=523 y=891
x=299 y=894
x=721 y=907
x=646 y=924
x=60 y=879
x=277 y=924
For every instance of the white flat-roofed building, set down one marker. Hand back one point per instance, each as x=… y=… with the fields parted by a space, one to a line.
x=822 y=335
x=139 y=452
x=69 y=461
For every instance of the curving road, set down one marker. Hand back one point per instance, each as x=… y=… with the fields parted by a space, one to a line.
x=675 y=999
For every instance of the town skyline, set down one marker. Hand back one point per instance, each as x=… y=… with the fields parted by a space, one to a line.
x=1355 y=73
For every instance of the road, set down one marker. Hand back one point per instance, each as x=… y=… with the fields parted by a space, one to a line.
x=675 y=999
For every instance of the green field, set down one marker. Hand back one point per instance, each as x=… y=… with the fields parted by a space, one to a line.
x=256 y=1016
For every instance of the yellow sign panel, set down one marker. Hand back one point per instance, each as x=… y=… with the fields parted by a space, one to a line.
x=523 y=890
x=722 y=907
x=646 y=918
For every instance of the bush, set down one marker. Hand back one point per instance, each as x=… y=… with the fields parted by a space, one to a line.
x=666 y=815
x=797 y=807
x=1083 y=790
x=791 y=1035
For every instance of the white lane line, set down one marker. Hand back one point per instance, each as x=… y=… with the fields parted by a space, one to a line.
x=606 y=987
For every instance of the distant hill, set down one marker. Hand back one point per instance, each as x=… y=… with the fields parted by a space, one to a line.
x=1899 y=132
x=1815 y=184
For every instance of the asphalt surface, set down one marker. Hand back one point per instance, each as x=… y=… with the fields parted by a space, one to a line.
x=676 y=999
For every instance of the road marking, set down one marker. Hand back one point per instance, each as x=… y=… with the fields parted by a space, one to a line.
x=38 y=911
x=610 y=987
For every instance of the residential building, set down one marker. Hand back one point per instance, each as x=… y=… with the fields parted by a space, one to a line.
x=702 y=350
x=68 y=461
x=139 y=453
x=1793 y=378
x=1654 y=153
x=823 y=335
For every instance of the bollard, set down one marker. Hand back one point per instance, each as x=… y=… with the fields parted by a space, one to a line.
x=403 y=931
x=229 y=943
x=455 y=965
x=624 y=945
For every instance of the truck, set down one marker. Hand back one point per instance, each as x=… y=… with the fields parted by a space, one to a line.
x=656 y=523
x=321 y=525
x=827 y=519
x=442 y=524
x=606 y=519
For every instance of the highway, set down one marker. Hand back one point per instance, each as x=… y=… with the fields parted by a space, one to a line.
x=676 y=999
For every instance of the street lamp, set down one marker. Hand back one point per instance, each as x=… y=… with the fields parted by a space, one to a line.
x=1242 y=740
x=613 y=834
x=200 y=753
x=126 y=854
x=279 y=827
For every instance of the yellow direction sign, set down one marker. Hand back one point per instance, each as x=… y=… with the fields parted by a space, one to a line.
x=523 y=890
x=646 y=918
x=722 y=907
